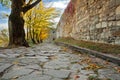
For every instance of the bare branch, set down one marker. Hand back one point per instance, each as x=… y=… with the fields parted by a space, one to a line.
x=29 y=2
x=28 y=7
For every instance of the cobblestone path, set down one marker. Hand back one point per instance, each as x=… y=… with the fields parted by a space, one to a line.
x=48 y=61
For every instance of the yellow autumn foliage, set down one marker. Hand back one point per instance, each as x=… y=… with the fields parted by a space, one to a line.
x=39 y=19
x=3 y=38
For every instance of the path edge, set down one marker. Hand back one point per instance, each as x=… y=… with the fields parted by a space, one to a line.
x=101 y=55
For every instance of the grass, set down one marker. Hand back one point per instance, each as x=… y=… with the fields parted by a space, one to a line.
x=93 y=78
x=101 y=47
x=96 y=78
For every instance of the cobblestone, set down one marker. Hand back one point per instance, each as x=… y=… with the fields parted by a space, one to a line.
x=48 y=61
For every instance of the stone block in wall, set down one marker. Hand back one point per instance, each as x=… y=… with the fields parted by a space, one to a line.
x=90 y=2
x=112 y=13
x=98 y=25
x=83 y=3
x=111 y=23
x=112 y=3
x=118 y=23
x=117 y=41
x=112 y=18
x=104 y=24
x=96 y=19
x=115 y=30
x=117 y=2
x=118 y=10
x=100 y=11
x=117 y=17
x=103 y=17
x=116 y=33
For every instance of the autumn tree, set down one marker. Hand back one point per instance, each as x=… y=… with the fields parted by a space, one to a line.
x=3 y=38
x=38 y=20
x=16 y=21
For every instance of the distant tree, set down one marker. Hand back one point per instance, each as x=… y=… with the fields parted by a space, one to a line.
x=16 y=21
x=3 y=37
x=38 y=20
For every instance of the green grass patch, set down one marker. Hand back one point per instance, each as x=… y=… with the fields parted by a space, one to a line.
x=101 y=47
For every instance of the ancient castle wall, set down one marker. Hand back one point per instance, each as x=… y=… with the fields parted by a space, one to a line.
x=91 y=20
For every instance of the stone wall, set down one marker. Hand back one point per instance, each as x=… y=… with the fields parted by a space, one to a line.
x=91 y=20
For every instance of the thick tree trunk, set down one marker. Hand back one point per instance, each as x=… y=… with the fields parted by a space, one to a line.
x=16 y=22
x=16 y=25
x=16 y=31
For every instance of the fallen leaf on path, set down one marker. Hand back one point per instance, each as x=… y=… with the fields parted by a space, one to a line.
x=117 y=69
x=76 y=77
x=93 y=66
x=15 y=62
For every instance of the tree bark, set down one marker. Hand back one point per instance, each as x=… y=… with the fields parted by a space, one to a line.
x=16 y=22
x=27 y=36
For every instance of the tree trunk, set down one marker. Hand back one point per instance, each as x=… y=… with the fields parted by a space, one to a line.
x=30 y=32
x=16 y=31
x=27 y=33
x=33 y=39
x=16 y=25
x=16 y=22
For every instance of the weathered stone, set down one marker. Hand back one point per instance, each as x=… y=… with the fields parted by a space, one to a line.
x=118 y=23
x=98 y=25
x=2 y=55
x=108 y=73
x=82 y=77
x=112 y=4
x=12 y=55
x=63 y=74
x=104 y=24
x=113 y=76
x=76 y=67
x=28 y=60
x=83 y=24
x=16 y=73
x=35 y=77
x=61 y=66
x=33 y=66
x=56 y=64
x=57 y=79
x=112 y=18
x=118 y=17
x=30 y=55
x=86 y=72
x=117 y=2
x=48 y=53
x=43 y=58
x=4 y=67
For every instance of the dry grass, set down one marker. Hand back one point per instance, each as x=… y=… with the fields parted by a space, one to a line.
x=101 y=47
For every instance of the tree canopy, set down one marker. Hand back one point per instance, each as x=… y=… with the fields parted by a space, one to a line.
x=38 y=20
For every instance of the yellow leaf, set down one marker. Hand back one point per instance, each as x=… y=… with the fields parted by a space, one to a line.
x=15 y=62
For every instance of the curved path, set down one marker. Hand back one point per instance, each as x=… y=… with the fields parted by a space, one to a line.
x=48 y=61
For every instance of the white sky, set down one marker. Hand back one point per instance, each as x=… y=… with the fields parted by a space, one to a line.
x=60 y=4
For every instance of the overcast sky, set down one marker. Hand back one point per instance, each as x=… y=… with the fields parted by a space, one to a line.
x=59 y=4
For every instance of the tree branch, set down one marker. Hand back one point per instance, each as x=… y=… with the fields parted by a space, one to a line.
x=29 y=2
x=28 y=7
